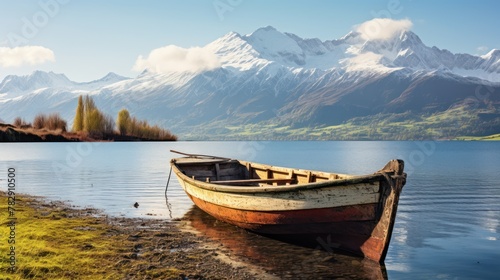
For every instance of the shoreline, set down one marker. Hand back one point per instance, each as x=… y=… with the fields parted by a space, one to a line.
x=10 y=133
x=55 y=240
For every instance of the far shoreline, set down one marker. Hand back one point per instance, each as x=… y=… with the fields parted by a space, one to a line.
x=11 y=133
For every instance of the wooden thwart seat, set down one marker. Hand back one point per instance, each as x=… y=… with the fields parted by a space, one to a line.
x=253 y=181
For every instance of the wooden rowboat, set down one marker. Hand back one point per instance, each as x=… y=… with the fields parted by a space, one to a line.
x=356 y=213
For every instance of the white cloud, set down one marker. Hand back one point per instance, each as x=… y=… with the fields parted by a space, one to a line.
x=383 y=28
x=368 y=60
x=482 y=49
x=176 y=59
x=26 y=55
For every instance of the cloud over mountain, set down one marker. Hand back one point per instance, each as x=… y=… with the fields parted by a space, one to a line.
x=176 y=59
x=26 y=55
x=383 y=28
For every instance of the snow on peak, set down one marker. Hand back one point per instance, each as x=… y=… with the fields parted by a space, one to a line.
x=113 y=76
x=351 y=38
x=234 y=52
x=48 y=78
x=36 y=80
x=110 y=78
x=493 y=54
x=267 y=46
x=13 y=86
x=274 y=45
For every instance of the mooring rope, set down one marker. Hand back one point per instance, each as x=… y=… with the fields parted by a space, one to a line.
x=388 y=178
x=169 y=206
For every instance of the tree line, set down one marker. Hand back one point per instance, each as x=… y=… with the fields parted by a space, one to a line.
x=42 y=121
x=88 y=118
x=128 y=125
x=96 y=124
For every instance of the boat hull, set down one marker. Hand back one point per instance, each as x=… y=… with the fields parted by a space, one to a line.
x=355 y=216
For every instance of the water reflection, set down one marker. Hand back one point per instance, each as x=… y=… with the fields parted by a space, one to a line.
x=290 y=259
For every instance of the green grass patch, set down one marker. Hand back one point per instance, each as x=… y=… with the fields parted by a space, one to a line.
x=494 y=137
x=51 y=245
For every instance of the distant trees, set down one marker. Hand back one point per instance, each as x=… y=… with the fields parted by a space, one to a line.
x=51 y=122
x=123 y=121
x=78 y=121
x=21 y=123
x=108 y=124
x=94 y=122
x=131 y=126
x=42 y=121
x=39 y=121
x=90 y=119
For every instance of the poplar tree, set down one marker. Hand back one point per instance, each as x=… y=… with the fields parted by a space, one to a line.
x=91 y=118
x=94 y=122
x=123 y=121
x=78 y=121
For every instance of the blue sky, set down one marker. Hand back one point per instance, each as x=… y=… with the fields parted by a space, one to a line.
x=86 y=39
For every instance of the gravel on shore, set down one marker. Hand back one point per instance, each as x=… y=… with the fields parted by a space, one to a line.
x=57 y=241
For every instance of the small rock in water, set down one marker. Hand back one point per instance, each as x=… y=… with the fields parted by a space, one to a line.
x=136 y=205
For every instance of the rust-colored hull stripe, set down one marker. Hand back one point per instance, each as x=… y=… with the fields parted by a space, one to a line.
x=348 y=228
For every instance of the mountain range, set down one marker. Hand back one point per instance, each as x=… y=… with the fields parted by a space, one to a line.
x=275 y=85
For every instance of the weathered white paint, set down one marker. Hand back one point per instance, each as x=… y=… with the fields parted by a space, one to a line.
x=335 y=196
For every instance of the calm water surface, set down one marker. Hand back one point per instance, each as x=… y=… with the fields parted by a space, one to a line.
x=447 y=225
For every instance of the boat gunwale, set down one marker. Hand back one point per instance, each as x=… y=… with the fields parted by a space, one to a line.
x=218 y=187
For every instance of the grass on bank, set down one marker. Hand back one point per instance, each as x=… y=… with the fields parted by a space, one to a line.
x=494 y=137
x=55 y=243
x=49 y=245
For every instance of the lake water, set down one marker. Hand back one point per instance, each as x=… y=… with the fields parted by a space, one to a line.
x=447 y=225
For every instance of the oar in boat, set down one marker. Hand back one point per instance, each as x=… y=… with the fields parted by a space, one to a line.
x=198 y=155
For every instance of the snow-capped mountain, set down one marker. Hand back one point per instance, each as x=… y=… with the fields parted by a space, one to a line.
x=277 y=78
x=109 y=79
x=15 y=86
x=267 y=46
